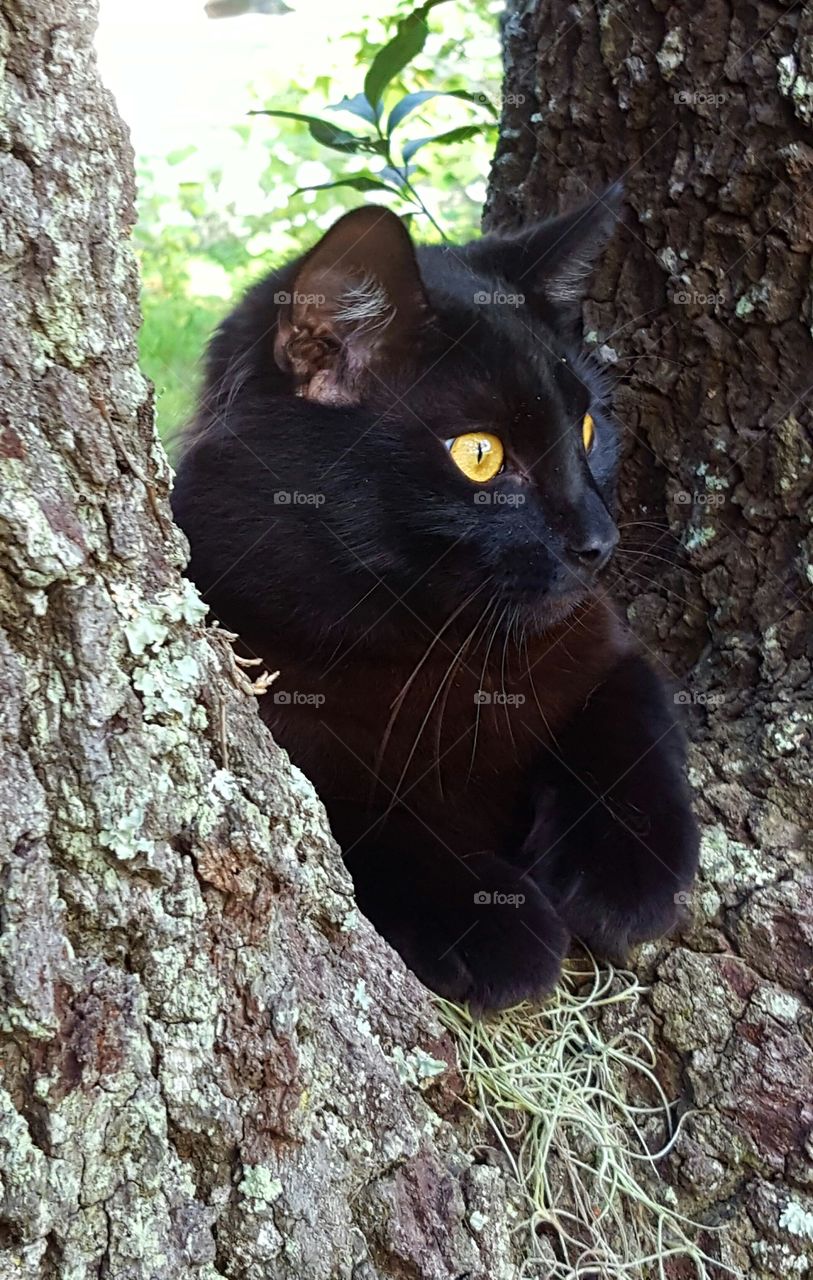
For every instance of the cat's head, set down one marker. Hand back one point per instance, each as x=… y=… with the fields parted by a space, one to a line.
x=455 y=434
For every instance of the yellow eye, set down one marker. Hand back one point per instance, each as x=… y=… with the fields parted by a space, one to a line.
x=588 y=431
x=478 y=455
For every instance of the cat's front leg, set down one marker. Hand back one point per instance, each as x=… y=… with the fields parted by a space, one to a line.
x=614 y=843
x=473 y=928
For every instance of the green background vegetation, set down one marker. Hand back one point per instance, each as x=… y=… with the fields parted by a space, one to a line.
x=199 y=247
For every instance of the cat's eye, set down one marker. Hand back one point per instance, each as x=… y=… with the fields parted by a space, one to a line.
x=478 y=454
x=588 y=431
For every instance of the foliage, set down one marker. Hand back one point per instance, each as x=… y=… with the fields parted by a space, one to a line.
x=382 y=139
x=418 y=136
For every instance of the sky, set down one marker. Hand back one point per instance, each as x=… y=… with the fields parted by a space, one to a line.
x=182 y=79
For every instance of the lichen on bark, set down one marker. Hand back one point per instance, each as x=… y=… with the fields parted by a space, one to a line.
x=209 y=1058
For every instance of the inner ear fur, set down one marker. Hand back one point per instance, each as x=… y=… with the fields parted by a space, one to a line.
x=357 y=299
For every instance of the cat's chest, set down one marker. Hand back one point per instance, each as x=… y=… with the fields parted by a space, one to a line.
x=434 y=729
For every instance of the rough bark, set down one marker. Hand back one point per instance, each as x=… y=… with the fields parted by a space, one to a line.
x=702 y=312
x=210 y=1063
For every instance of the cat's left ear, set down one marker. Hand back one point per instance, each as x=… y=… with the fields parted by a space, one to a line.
x=552 y=261
x=356 y=306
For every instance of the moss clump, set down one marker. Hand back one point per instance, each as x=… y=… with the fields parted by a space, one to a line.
x=552 y=1087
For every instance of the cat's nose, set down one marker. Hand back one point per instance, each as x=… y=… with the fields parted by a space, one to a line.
x=592 y=553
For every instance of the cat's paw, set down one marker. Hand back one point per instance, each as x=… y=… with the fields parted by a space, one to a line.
x=500 y=944
x=612 y=914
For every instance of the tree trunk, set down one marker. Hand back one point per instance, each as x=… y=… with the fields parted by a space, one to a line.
x=209 y=1059
x=702 y=311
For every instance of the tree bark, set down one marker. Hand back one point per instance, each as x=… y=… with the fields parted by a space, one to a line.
x=209 y=1059
x=702 y=312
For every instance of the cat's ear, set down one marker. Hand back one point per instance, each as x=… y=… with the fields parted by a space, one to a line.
x=552 y=261
x=356 y=304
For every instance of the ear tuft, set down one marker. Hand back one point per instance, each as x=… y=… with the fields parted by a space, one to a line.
x=356 y=305
x=365 y=305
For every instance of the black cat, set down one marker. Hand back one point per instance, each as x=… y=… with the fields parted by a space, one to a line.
x=398 y=490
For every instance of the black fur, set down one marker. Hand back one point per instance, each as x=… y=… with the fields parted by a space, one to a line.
x=472 y=710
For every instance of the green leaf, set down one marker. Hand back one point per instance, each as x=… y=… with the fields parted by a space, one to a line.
x=406 y=44
x=414 y=100
x=340 y=140
x=359 y=182
x=327 y=133
x=287 y=115
x=461 y=134
x=183 y=153
x=357 y=105
x=391 y=174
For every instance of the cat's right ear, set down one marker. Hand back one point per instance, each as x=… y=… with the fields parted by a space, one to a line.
x=357 y=305
x=552 y=261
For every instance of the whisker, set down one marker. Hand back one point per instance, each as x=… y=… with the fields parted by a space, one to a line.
x=419 y=734
x=448 y=681
x=479 y=703
x=661 y=586
x=506 y=636
x=651 y=555
x=662 y=530
x=398 y=702
x=529 y=674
